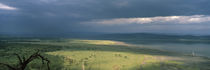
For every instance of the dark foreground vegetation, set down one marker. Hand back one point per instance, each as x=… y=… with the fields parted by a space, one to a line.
x=23 y=61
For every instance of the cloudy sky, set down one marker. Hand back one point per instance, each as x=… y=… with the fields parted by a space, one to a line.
x=105 y=16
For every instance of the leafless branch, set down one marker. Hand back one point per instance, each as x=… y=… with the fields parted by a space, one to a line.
x=24 y=62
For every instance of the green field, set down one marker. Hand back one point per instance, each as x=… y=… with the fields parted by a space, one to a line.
x=78 y=54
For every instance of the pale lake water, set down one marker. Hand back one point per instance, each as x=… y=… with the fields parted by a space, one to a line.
x=198 y=49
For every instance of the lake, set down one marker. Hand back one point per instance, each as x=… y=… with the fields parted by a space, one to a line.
x=198 y=49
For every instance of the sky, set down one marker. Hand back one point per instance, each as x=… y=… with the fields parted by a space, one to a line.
x=105 y=16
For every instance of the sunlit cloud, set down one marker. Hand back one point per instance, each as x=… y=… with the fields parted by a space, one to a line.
x=155 y=20
x=6 y=7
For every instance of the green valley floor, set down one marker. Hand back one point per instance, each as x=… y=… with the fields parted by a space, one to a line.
x=79 y=54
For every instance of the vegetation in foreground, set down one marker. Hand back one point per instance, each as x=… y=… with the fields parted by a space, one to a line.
x=23 y=61
x=75 y=54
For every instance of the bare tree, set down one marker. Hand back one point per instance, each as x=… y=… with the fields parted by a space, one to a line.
x=23 y=62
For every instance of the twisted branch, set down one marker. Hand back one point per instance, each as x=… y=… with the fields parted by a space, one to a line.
x=24 y=62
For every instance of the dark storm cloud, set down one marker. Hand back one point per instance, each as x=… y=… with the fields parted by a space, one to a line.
x=64 y=16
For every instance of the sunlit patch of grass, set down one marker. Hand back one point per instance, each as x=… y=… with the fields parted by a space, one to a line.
x=108 y=60
x=174 y=62
x=67 y=42
x=99 y=42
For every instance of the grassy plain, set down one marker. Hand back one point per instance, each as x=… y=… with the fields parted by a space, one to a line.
x=78 y=54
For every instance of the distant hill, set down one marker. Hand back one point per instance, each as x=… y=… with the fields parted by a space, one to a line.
x=136 y=38
x=145 y=38
x=53 y=35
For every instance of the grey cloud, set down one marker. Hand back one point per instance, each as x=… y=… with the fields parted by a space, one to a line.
x=154 y=20
x=54 y=16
